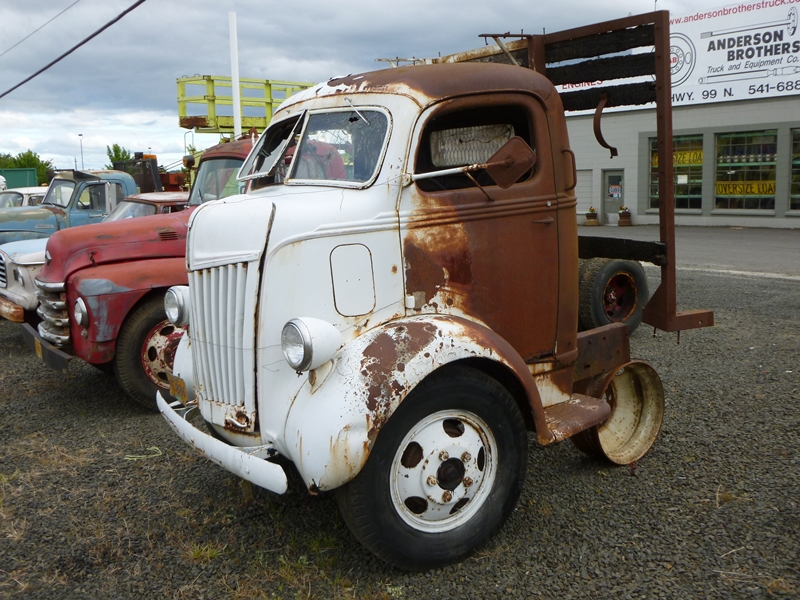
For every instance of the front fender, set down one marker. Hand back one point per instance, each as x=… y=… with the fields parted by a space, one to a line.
x=110 y=292
x=339 y=411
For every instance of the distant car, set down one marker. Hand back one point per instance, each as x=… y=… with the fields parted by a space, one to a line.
x=21 y=261
x=24 y=196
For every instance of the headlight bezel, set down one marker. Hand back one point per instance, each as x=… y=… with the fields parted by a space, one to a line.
x=177 y=305
x=80 y=313
x=307 y=343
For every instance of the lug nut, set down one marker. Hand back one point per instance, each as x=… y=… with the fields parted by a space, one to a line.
x=447 y=496
x=466 y=457
x=443 y=455
x=467 y=482
x=432 y=480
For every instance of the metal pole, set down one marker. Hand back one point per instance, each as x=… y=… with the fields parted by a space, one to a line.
x=80 y=137
x=235 y=93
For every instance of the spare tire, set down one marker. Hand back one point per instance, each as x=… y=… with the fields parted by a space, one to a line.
x=611 y=291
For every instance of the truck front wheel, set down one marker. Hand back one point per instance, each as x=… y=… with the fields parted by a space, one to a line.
x=612 y=291
x=145 y=352
x=444 y=474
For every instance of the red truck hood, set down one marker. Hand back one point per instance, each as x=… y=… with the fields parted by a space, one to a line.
x=157 y=236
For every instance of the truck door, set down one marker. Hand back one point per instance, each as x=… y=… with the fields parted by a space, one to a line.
x=488 y=253
x=91 y=203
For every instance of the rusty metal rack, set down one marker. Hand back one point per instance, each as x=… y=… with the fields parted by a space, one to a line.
x=635 y=48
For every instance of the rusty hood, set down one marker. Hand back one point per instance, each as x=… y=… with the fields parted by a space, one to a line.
x=30 y=222
x=157 y=236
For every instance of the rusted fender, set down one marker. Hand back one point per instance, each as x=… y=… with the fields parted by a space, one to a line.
x=339 y=411
x=110 y=292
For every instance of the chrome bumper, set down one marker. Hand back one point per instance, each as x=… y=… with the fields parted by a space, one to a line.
x=247 y=463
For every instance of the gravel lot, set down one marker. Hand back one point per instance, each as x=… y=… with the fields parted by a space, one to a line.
x=99 y=499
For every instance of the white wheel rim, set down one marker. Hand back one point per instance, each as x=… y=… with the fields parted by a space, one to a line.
x=443 y=471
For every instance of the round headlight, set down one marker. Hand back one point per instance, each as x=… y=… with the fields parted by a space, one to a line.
x=80 y=313
x=308 y=343
x=176 y=305
x=296 y=345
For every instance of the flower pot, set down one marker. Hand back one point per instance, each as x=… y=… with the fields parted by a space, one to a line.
x=591 y=219
x=624 y=219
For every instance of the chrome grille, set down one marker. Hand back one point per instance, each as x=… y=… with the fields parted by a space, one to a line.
x=217 y=329
x=3 y=276
x=53 y=312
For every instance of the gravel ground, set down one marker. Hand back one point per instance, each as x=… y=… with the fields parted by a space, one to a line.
x=99 y=499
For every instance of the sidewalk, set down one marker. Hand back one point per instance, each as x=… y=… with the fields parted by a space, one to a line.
x=766 y=252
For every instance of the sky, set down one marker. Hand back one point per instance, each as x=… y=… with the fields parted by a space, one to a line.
x=120 y=87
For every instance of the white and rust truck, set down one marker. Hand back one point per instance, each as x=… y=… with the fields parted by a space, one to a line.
x=393 y=304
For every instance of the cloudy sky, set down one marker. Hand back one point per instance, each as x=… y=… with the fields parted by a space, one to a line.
x=120 y=87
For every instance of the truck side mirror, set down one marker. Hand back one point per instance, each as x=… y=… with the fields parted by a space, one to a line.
x=511 y=162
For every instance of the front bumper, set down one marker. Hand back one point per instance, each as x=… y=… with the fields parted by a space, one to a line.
x=247 y=463
x=52 y=356
x=11 y=311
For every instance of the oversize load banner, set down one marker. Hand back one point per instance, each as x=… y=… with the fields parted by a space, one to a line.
x=741 y=51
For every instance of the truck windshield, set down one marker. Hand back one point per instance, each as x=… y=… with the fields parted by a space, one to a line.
x=337 y=147
x=59 y=192
x=216 y=178
x=129 y=210
x=344 y=145
x=10 y=199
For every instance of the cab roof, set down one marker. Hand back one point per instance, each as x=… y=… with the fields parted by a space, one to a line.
x=426 y=84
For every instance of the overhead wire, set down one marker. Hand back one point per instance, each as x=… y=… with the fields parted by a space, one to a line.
x=75 y=47
x=38 y=28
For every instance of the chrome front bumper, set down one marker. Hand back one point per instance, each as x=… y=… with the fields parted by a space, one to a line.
x=247 y=463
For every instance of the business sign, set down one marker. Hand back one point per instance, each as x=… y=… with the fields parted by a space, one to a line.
x=739 y=52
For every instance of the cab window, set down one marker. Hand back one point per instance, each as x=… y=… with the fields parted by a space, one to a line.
x=468 y=137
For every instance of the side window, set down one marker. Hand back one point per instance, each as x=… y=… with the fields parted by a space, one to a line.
x=93 y=197
x=468 y=137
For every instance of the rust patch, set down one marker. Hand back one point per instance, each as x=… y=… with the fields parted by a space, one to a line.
x=383 y=360
x=422 y=272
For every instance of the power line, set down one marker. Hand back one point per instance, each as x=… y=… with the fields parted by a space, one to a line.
x=35 y=30
x=75 y=47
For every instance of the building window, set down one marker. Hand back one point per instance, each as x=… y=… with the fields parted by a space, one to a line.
x=794 y=200
x=746 y=170
x=687 y=158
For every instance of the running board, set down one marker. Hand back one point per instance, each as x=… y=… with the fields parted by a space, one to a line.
x=576 y=414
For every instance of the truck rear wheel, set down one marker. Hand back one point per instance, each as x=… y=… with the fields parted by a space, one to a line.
x=612 y=291
x=636 y=397
x=444 y=473
x=145 y=352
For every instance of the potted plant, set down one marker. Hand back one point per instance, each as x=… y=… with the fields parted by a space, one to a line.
x=624 y=217
x=591 y=217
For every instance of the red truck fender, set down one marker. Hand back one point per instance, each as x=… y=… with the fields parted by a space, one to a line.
x=110 y=293
x=338 y=413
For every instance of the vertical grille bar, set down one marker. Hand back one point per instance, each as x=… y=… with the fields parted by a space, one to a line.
x=241 y=279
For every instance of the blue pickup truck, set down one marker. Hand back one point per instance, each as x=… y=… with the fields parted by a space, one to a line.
x=73 y=198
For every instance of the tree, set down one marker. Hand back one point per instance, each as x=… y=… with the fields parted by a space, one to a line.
x=6 y=161
x=116 y=153
x=29 y=159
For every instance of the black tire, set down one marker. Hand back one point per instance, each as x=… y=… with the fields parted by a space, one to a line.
x=458 y=411
x=145 y=352
x=611 y=291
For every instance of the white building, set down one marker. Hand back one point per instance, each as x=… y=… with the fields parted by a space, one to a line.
x=736 y=123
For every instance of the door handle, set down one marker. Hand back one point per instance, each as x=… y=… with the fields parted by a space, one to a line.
x=546 y=221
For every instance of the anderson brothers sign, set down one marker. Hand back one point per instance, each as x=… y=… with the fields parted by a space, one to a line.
x=741 y=51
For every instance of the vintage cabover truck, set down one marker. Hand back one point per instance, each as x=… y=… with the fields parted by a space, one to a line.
x=102 y=288
x=394 y=302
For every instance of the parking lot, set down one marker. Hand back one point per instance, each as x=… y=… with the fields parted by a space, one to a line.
x=99 y=499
